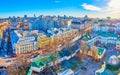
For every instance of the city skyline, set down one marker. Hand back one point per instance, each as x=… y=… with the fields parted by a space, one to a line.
x=60 y=37
x=77 y=8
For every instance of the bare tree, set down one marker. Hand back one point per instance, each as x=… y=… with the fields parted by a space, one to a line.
x=11 y=70
x=83 y=51
x=84 y=48
x=68 y=43
x=19 y=68
x=94 y=50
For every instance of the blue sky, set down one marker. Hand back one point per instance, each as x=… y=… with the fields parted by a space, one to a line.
x=55 y=7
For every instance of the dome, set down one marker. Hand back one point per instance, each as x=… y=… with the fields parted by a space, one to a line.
x=113 y=60
x=118 y=73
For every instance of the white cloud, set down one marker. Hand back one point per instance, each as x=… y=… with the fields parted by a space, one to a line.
x=111 y=9
x=113 y=6
x=90 y=7
x=57 y=1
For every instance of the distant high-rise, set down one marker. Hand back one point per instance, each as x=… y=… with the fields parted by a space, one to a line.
x=86 y=16
x=65 y=16
x=108 y=18
x=34 y=15
x=25 y=16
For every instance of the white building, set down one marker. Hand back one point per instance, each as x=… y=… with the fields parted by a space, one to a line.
x=104 y=38
x=118 y=45
x=66 y=72
x=106 y=28
x=22 y=43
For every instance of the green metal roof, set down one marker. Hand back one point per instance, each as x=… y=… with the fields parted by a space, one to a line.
x=100 y=51
x=52 y=58
x=87 y=36
x=45 y=60
x=118 y=39
x=60 y=54
x=39 y=63
x=29 y=71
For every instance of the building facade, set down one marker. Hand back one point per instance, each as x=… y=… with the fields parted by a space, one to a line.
x=106 y=28
x=118 y=45
x=23 y=44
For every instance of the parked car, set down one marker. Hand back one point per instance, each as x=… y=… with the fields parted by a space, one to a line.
x=14 y=55
x=34 y=55
x=3 y=67
x=84 y=68
x=8 y=61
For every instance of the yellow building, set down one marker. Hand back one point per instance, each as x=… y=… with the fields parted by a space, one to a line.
x=43 y=41
x=3 y=26
x=1 y=33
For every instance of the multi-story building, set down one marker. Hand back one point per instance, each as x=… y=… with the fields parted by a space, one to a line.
x=3 y=26
x=43 y=40
x=48 y=22
x=107 y=39
x=66 y=72
x=81 y=23
x=106 y=28
x=42 y=22
x=40 y=64
x=23 y=43
x=118 y=45
x=65 y=23
x=23 y=25
x=1 y=33
x=54 y=35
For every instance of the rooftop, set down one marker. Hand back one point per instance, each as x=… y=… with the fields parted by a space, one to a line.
x=66 y=72
x=100 y=51
x=103 y=34
x=41 y=62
